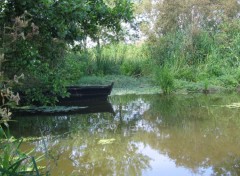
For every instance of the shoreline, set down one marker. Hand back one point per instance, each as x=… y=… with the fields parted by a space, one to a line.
x=124 y=85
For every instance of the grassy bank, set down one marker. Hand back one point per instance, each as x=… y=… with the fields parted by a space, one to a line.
x=195 y=60
x=123 y=84
x=146 y=85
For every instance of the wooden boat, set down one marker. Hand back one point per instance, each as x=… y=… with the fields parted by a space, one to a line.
x=78 y=93
x=81 y=99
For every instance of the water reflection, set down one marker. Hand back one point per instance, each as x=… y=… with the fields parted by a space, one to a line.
x=147 y=135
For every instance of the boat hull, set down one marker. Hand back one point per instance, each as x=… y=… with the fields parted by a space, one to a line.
x=79 y=93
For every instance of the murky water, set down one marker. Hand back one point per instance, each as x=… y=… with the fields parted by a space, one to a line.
x=147 y=135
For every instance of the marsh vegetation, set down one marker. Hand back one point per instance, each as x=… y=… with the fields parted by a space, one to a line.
x=145 y=47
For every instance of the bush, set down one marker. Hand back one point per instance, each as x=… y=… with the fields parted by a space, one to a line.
x=106 y=65
x=12 y=160
x=114 y=59
x=187 y=73
x=229 y=81
x=74 y=67
x=164 y=77
x=131 y=68
x=167 y=48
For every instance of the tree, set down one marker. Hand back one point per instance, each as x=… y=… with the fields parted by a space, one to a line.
x=48 y=27
x=172 y=15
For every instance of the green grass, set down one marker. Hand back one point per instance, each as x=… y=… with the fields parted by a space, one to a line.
x=195 y=61
x=114 y=59
x=123 y=84
x=146 y=85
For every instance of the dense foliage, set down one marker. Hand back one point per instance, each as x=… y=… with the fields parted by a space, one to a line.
x=197 y=40
x=196 y=59
x=44 y=30
x=196 y=43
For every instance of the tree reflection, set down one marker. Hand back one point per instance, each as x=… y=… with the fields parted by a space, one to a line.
x=122 y=156
x=119 y=158
x=192 y=130
x=79 y=152
x=193 y=133
x=231 y=166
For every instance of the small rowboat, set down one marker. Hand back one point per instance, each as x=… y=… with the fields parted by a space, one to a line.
x=78 y=93
x=81 y=99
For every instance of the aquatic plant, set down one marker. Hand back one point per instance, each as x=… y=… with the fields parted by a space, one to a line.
x=12 y=160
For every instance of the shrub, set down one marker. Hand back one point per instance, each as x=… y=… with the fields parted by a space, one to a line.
x=131 y=68
x=187 y=73
x=164 y=77
x=12 y=160
x=228 y=81
x=106 y=65
x=74 y=67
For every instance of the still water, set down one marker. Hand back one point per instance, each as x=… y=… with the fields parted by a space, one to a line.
x=177 y=135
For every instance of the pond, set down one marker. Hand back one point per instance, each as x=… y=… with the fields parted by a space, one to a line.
x=146 y=135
